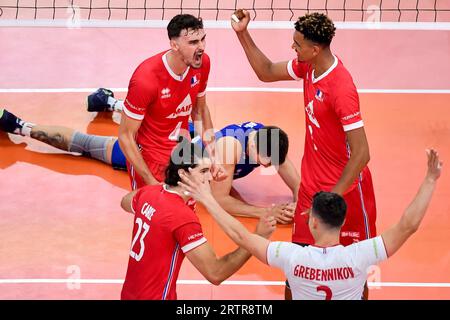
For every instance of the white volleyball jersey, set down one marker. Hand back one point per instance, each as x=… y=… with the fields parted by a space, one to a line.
x=316 y=273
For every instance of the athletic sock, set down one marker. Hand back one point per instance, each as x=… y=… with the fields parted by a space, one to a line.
x=26 y=128
x=115 y=104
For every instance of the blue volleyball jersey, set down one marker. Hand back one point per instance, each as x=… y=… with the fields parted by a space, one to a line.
x=240 y=132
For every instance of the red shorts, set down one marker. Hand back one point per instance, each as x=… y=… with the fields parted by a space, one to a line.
x=360 y=218
x=158 y=171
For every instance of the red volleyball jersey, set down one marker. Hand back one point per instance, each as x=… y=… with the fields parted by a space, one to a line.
x=331 y=109
x=165 y=228
x=164 y=101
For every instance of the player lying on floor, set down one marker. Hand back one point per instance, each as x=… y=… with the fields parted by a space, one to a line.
x=325 y=270
x=241 y=147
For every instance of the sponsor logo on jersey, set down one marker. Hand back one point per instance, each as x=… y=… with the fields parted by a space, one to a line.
x=350 y=116
x=351 y=234
x=184 y=109
x=165 y=93
x=310 y=112
x=195 y=80
x=194 y=236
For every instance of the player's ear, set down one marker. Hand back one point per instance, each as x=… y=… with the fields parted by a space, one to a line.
x=315 y=222
x=316 y=50
x=174 y=44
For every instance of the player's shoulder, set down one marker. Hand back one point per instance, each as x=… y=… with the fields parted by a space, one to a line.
x=152 y=64
x=342 y=74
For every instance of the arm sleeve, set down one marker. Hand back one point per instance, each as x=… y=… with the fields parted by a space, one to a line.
x=189 y=236
x=297 y=70
x=205 y=76
x=347 y=107
x=279 y=253
x=142 y=92
x=370 y=252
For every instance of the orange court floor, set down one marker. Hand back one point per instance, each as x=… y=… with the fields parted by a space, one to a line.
x=63 y=234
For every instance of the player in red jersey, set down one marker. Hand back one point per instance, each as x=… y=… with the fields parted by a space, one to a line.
x=166 y=230
x=336 y=150
x=163 y=92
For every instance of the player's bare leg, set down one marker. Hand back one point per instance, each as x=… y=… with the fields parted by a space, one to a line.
x=58 y=137
x=63 y=138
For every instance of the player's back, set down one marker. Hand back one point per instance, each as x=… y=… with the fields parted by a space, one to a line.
x=155 y=255
x=337 y=273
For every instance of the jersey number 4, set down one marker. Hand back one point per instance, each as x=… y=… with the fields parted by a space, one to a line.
x=173 y=136
x=140 y=234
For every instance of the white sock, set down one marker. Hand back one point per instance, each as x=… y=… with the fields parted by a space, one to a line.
x=26 y=129
x=114 y=104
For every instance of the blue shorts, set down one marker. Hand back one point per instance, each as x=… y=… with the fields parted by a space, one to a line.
x=118 y=160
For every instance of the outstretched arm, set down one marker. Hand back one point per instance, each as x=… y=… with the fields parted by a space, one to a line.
x=266 y=70
x=397 y=235
x=229 y=151
x=254 y=243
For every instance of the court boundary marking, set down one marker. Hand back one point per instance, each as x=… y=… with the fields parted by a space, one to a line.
x=205 y=282
x=219 y=24
x=223 y=89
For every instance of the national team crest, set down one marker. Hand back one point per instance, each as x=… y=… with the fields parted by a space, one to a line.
x=319 y=95
x=194 y=80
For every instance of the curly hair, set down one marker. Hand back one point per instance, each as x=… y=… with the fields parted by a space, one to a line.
x=316 y=27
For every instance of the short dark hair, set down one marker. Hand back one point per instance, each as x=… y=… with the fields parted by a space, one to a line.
x=184 y=156
x=181 y=22
x=264 y=144
x=316 y=27
x=330 y=208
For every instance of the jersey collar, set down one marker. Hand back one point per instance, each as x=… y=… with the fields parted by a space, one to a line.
x=173 y=74
x=323 y=75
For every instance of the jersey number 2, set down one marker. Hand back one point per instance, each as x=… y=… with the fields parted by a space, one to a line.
x=327 y=290
x=142 y=226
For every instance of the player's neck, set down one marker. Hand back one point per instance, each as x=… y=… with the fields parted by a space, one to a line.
x=327 y=239
x=175 y=63
x=323 y=62
x=178 y=191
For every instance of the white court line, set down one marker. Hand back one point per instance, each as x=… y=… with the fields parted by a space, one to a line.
x=220 y=24
x=224 y=89
x=205 y=282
